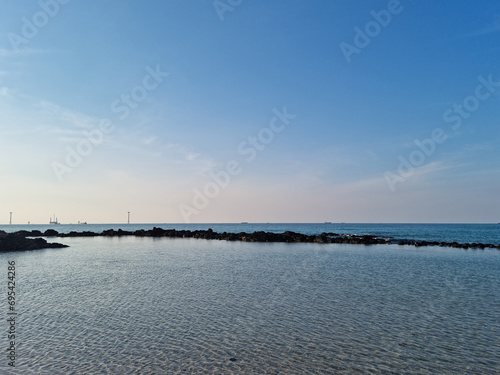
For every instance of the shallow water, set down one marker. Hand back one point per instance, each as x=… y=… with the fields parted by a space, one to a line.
x=167 y=306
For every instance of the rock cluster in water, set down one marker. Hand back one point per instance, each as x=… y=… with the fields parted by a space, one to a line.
x=288 y=236
x=18 y=241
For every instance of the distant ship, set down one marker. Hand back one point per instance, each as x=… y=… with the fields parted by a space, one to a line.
x=244 y=222
x=328 y=222
x=54 y=222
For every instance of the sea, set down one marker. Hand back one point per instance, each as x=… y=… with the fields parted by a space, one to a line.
x=132 y=305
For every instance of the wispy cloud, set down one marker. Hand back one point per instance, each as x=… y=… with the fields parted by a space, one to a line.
x=205 y=164
x=417 y=175
x=187 y=154
x=149 y=140
x=491 y=28
x=76 y=119
x=433 y=167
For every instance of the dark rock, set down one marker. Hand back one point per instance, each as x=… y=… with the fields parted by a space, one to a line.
x=257 y=236
x=157 y=232
x=124 y=232
x=108 y=232
x=79 y=234
x=119 y=232
x=23 y=233
x=18 y=241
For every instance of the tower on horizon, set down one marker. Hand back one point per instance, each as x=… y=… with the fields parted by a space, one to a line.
x=10 y=222
x=128 y=220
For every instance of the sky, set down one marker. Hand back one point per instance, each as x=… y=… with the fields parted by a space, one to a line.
x=261 y=111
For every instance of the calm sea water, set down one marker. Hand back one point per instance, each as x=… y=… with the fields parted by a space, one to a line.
x=185 y=306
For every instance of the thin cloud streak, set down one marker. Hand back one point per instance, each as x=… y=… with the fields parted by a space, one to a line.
x=492 y=28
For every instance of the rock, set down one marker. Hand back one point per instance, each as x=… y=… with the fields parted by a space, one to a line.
x=79 y=234
x=112 y=233
x=257 y=236
x=18 y=241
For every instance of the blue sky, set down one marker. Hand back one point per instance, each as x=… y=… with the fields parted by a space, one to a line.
x=221 y=71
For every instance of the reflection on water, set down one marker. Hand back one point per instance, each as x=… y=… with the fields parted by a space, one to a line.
x=167 y=306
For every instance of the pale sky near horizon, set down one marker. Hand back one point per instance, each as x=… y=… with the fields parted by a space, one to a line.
x=342 y=111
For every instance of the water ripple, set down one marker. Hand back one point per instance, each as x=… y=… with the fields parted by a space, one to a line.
x=140 y=306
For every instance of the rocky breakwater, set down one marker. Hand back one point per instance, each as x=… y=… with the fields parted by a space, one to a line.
x=291 y=237
x=260 y=236
x=288 y=236
x=17 y=241
x=465 y=246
